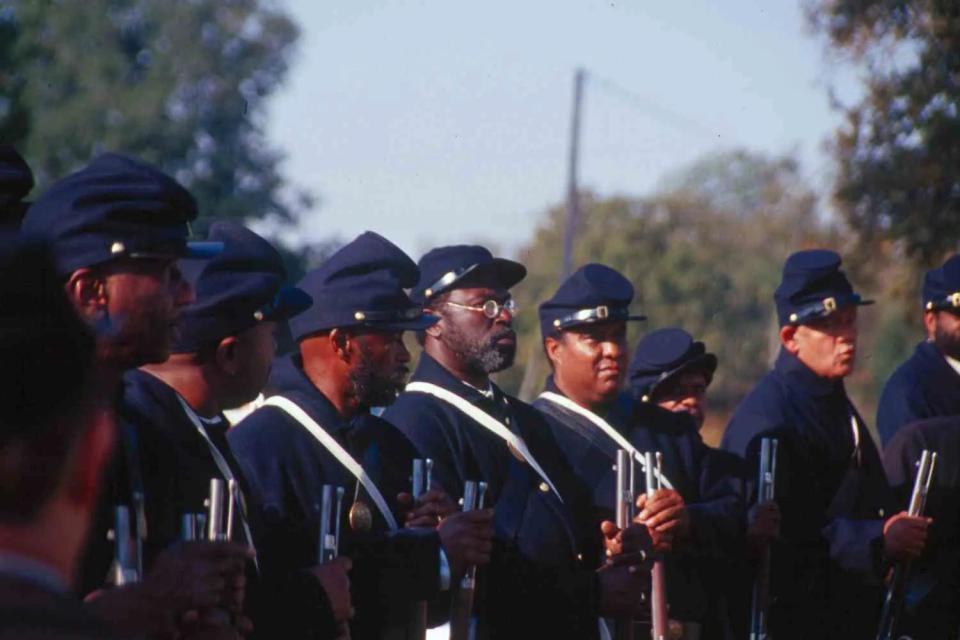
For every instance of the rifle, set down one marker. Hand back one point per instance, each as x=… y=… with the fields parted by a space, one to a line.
x=463 y=624
x=896 y=592
x=659 y=620
x=420 y=484
x=766 y=483
x=625 y=512
x=126 y=550
x=220 y=510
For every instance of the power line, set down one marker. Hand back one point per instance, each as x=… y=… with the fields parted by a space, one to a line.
x=649 y=107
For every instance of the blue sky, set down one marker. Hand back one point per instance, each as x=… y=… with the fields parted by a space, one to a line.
x=441 y=121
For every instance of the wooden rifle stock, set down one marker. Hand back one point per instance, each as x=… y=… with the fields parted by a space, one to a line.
x=659 y=616
x=766 y=485
x=463 y=625
x=893 y=602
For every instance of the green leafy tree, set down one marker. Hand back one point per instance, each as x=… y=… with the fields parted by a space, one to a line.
x=898 y=152
x=180 y=84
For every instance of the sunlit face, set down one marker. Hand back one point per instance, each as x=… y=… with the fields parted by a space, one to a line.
x=685 y=392
x=589 y=361
x=485 y=345
x=144 y=297
x=828 y=346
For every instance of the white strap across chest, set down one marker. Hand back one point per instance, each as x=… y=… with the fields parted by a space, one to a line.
x=342 y=455
x=485 y=420
x=222 y=465
x=605 y=427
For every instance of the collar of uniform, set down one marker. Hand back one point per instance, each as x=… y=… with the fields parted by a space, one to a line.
x=288 y=379
x=429 y=370
x=801 y=375
x=953 y=362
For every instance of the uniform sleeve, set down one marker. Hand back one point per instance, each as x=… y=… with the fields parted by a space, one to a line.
x=901 y=403
x=856 y=545
x=424 y=426
x=717 y=519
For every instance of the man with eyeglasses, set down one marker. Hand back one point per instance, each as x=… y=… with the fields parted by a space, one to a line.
x=837 y=538
x=927 y=384
x=543 y=579
x=696 y=518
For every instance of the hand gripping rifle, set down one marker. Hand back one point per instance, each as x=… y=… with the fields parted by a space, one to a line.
x=420 y=481
x=893 y=602
x=463 y=624
x=766 y=483
x=626 y=482
x=659 y=620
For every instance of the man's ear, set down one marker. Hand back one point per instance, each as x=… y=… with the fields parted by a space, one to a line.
x=87 y=291
x=930 y=323
x=788 y=338
x=435 y=331
x=226 y=355
x=553 y=347
x=341 y=342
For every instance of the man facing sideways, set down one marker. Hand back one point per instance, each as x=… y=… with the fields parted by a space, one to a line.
x=315 y=428
x=698 y=516
x=221 y=357
x=116 y=229
x=837 y=538
x=927 y=384
x=543 y=579
x=672 y=370
x=55 y=440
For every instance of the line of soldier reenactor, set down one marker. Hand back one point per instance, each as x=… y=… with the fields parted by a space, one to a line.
x=345 y=497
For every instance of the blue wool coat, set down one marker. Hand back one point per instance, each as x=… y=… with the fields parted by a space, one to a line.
x=924 y=386
x=286 y=469
x=833 y=498
x=707 y=479
x=542 y=578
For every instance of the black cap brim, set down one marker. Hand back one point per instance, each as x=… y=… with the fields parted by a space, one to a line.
x=290 y=301
x=203 y=249
x=506 y=273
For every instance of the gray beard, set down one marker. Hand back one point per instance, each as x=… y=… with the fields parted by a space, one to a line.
x=480 y=355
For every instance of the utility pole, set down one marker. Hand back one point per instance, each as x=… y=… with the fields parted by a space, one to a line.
x=573 y=200
x=529 y=382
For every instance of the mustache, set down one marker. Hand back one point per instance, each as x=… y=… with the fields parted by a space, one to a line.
x=499 y=335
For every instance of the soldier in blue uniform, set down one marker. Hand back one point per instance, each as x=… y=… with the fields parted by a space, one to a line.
x=927 y=384
x=543 y=578
x=55 y=441
x=584 y=334
x=837 y=537
x=316 y=428
x=116 y=229
x=672 y=370
x=221 y=356
x=932 y=604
